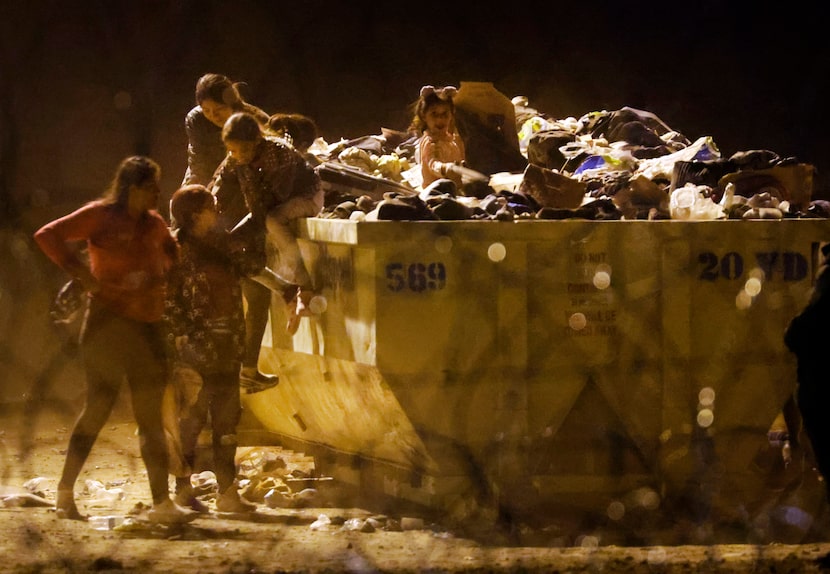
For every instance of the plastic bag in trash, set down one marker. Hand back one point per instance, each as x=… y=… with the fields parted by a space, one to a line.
x=694 y=202
x=702 y=149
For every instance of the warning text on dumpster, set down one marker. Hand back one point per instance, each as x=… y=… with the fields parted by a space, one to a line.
x=591 y=312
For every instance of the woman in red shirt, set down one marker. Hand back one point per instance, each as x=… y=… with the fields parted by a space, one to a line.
x=130 y=252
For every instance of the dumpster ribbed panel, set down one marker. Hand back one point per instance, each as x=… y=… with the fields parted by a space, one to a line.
x=600 y=354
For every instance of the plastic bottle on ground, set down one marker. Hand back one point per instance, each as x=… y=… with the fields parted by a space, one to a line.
x=105 y=522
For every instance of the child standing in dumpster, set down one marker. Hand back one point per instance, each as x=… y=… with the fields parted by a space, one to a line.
x=204 y=314
x=217 y=97
x=807 y=337
x=278 y=187
x=130 y=253
x=441 y=145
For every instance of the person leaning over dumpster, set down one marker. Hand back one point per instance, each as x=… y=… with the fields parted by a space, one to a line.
x=130 y=253
x=204 y=315
x=299 y=130
x=278 y=187
x=441 y=146
x=217 y=97
x=808 y=336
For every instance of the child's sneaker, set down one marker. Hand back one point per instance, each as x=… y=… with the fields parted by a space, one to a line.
x=253 y=381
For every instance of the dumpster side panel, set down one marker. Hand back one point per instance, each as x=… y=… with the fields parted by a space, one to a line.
x=587 y=357
x=748 y=281
x=344 y=275
x=342 y=404
x=595 y=356
x=452 y=342
x=430 y=302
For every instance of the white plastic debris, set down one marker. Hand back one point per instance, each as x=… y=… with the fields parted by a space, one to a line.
x=306 y=495
x=203 y=479
x=322 y=523
x=274 y=498
x=36 y=485
x=101 y=495
x=692 y=202
x=353 y=524
x=105 y=522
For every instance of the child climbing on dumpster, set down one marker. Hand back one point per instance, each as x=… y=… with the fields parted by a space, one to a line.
x=206 y=335
x=441 y=146
x=299 y=130
x=278 y=187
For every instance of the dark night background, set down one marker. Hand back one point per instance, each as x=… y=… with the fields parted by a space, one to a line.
x=84 y=84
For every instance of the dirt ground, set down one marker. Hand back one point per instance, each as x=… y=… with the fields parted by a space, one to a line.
x=326 y=535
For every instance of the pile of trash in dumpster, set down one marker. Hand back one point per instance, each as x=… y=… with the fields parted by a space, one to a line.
x=605 y=165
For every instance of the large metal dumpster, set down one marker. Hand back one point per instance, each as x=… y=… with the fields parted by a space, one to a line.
x=544 y=362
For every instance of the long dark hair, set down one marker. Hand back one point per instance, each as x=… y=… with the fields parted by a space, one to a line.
x=429 y=97
x=134 y=170
x=221 y=89
x=301 y=129
x=242 y=126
